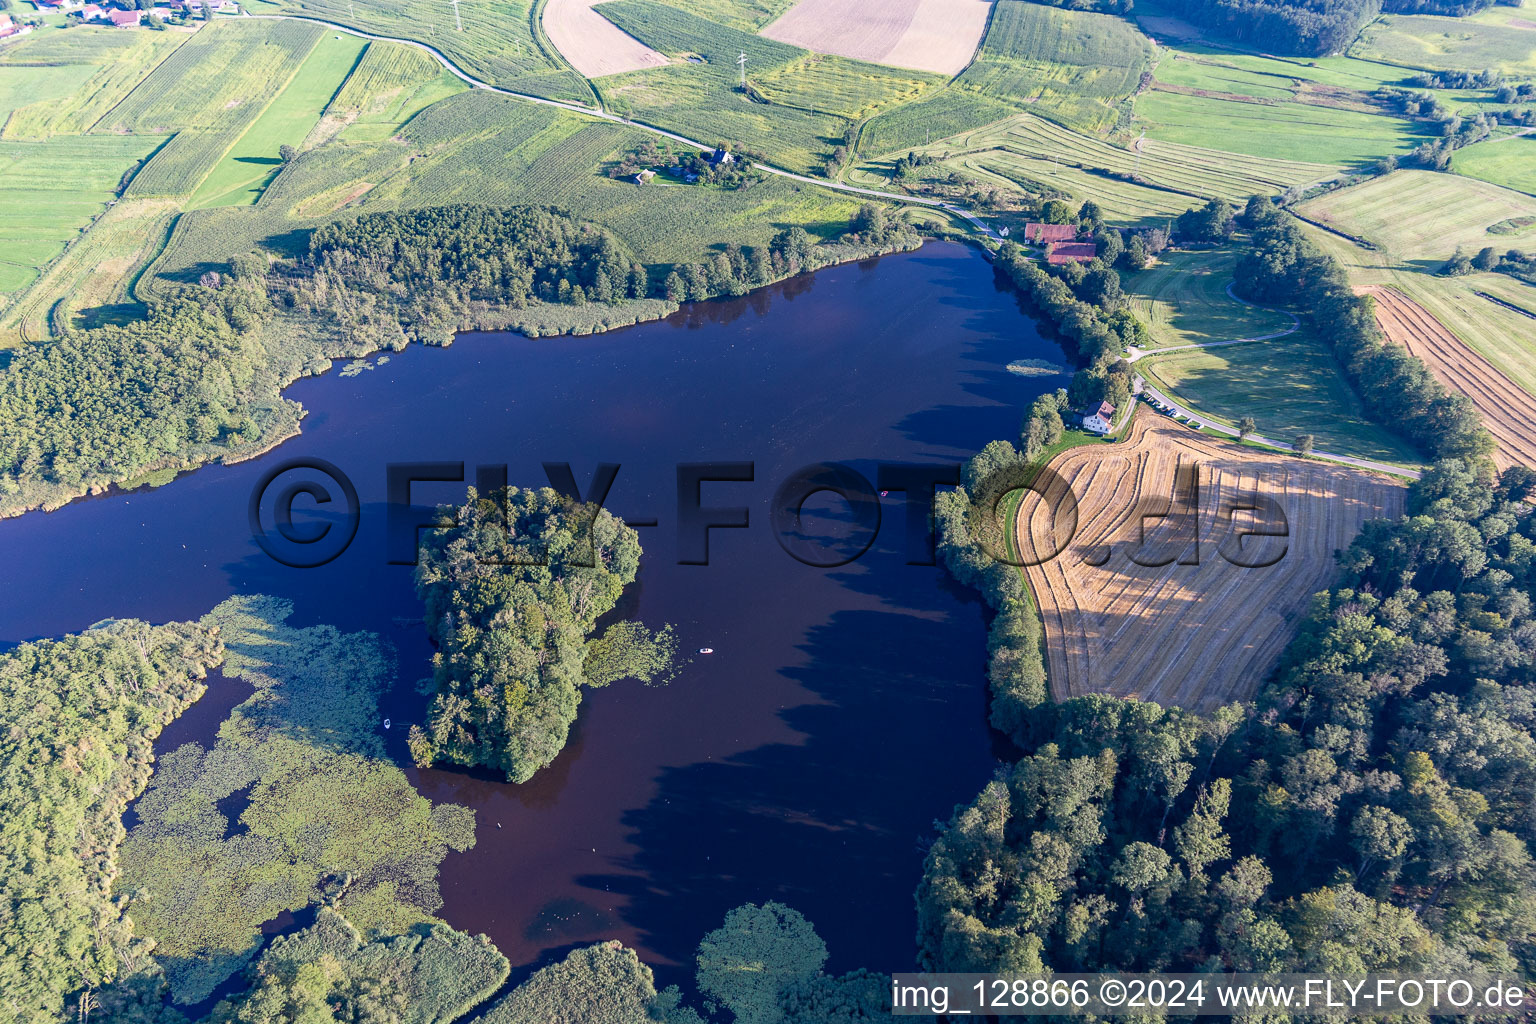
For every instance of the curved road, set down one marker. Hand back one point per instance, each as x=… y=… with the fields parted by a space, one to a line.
x=475 y=83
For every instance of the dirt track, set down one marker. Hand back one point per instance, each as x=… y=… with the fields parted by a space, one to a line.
x=1197 y=635
x=1508 y=411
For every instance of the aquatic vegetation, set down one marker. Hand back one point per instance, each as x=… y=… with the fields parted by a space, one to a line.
x=297 y=801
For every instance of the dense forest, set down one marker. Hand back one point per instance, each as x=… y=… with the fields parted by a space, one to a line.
x=512 y=592
x=1282 y=267
x=1309 y=27
x=80 y=716
x=1369 y=811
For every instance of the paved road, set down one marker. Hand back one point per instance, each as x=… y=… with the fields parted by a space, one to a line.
x=581 y=108
x=1348 y=460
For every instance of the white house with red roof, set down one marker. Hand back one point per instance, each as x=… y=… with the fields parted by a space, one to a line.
x=1100 y=420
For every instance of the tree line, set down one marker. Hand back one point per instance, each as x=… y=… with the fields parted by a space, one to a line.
x=1308 y=27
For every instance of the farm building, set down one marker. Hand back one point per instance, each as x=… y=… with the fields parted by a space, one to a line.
x=8 y=27
x=721 y=156
x=1045 y=234
x=125 y=19
x=1070 y=252
x=1100 y=420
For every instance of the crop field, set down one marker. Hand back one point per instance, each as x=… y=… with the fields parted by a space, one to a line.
x=218 y=79
x=1183 y=300
x=51 y=192
x=1073 y=66
x=1490 y=39
x=1196 y=635
x=591 y=43
x=1279 y=130
x=947 y=113
x=103 y=65
x=1509 y=412
x=1122 y=203
x=383 y=81
x=481 y=147
x=747 y=15
x=1509 y=161
x=1422 y=216
x=927 y=35
x=498 y=42
x=1290 y=386
x=701 y=99
x=843 y=87
x=254 y=160
x=1169 y=178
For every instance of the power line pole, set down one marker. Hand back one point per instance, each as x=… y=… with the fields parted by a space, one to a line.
x=456 y=19
x=742 y=60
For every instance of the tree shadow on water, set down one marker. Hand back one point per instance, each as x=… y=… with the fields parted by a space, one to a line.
x=835 y=826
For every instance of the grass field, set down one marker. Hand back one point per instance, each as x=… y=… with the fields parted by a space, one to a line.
x=1278 y=130
x=1195 y=635
x=1488 y=39
x=51 y=191
x=1510 y=162
x=1183 y=300
x=1290 y=386
x=254 y=159
x=1420 y=217
x=101 y=65
x=1035 y=155
x=498 y=44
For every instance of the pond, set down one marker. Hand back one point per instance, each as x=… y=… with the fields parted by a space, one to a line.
x=842 y=710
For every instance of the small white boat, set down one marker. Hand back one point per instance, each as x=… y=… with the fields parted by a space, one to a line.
x=706 y=650
x=386 y=724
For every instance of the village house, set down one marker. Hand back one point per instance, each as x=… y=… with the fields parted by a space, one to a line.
x=1070 y=252
x=10 y=27
x=644 y=177
x=125 y=19
x=1046 y=234
x=59 y=5
x=1100 y=420
x=90 y=12
x=721 y=156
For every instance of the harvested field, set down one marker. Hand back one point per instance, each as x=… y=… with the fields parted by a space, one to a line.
x=1194 y=635
x=926 y=35
x=594 y=45
x=1509 y=412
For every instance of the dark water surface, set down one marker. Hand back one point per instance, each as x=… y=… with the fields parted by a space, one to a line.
x=844 y=709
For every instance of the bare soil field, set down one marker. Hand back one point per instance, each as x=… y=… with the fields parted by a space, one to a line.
x=1154 y=595
x=926 y=35
x=1508 y=411
x=594 y=45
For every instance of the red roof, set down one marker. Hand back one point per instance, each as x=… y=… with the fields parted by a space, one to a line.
x=1067 y=252
x=1105 y=411
x=1036 y=232
x=121 y=18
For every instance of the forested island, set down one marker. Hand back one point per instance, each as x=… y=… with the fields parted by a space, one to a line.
x=512 y=592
